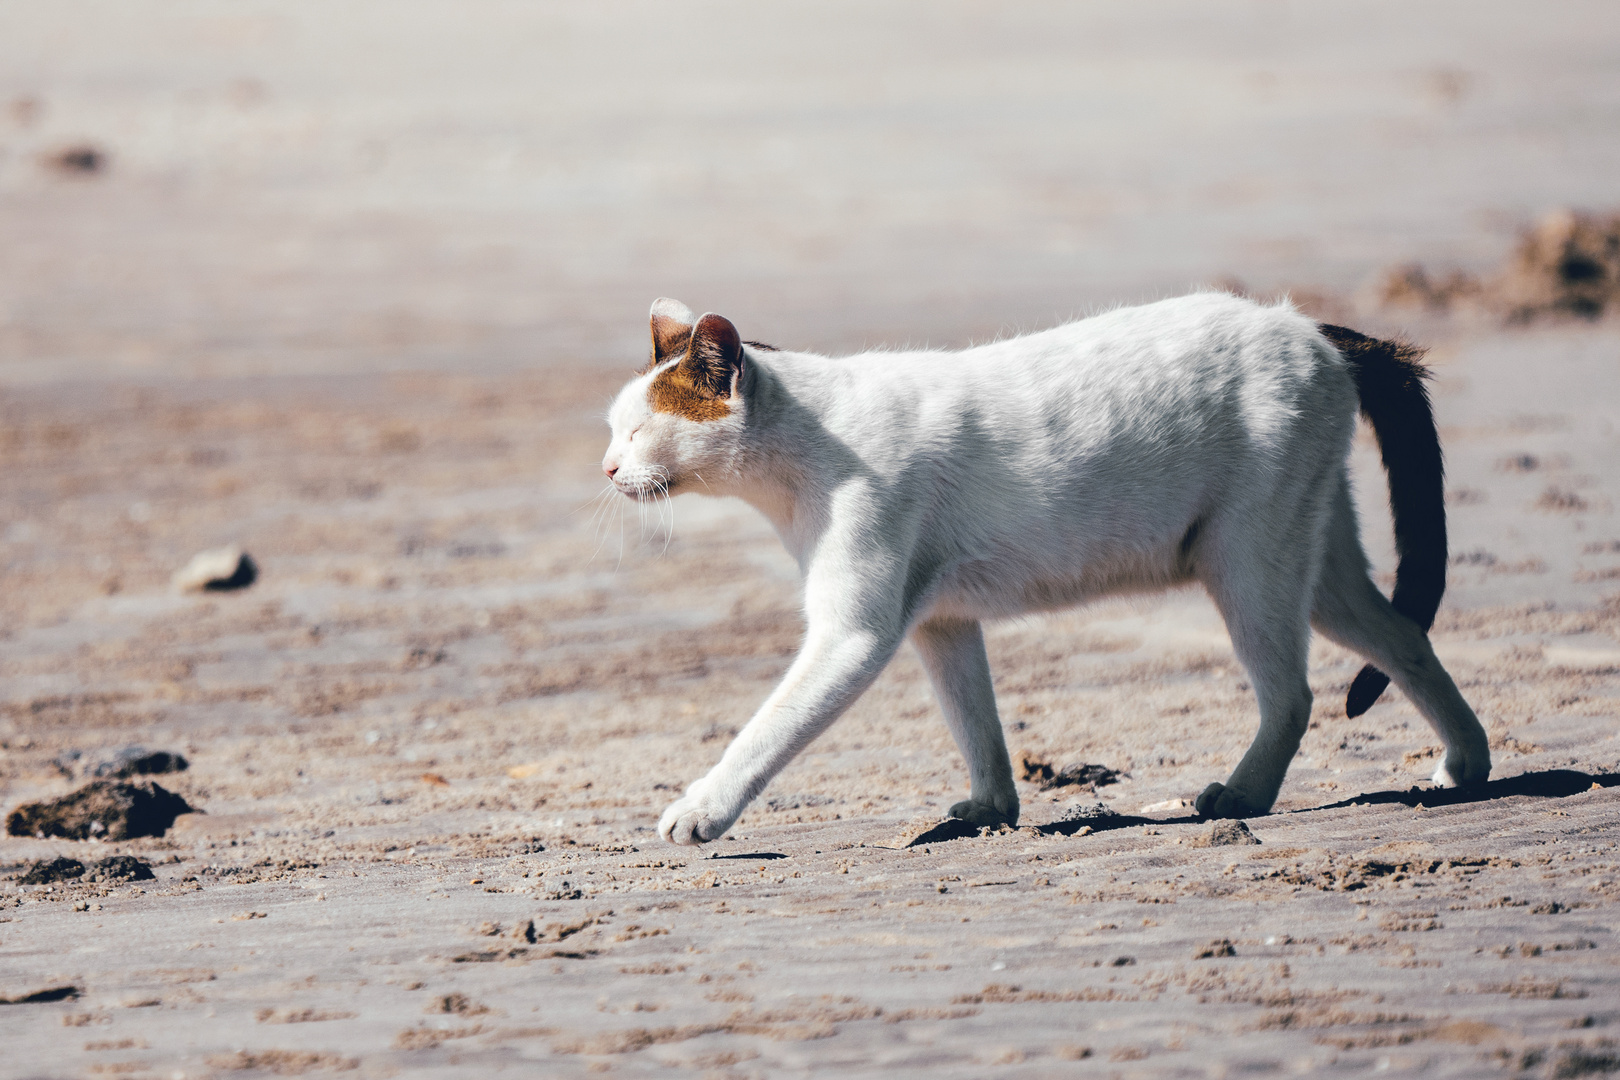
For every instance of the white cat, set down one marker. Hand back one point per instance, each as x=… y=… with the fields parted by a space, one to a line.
x=1196 y=439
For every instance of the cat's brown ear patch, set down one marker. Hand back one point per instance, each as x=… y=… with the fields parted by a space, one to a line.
x=672 y=323
x=700 y=386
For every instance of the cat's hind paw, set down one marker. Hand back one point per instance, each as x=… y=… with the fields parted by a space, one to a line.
x=690 y=820
x=975 y=813
x=1461 y=773
x=1219 y=801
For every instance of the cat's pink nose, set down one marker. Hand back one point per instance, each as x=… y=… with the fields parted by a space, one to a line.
x=610 y=467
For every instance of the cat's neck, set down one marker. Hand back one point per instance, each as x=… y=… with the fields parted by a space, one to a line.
x=780 y=467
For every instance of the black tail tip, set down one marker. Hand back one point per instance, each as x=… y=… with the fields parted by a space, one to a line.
x=1368 y=684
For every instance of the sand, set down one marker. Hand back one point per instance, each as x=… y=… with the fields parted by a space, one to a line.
x=431 y=740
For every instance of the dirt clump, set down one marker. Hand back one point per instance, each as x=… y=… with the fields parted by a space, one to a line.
x=1566 y=266
x=1225 y=833
x=1215 y=950
x=1569 y=264
x=120 y=868
x=283 y=1062
x=1038 y=770
x=102 y=809
x=49 y=871
x=457 y=1004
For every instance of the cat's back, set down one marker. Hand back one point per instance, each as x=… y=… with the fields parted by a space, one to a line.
x=1171 y=374
x=1178 y=365
x=1189 y=341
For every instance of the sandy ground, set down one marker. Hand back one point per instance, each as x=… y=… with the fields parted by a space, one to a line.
x=432 y=741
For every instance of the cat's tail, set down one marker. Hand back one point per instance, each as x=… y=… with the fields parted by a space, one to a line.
x=1390 y=381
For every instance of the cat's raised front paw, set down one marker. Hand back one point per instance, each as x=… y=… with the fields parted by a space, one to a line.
x=1218 y=801
x=975 y=813
x=693 y=819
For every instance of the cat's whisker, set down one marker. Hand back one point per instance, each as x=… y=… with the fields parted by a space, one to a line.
x=589 y=502
x=661 y=489
x=604 y=503
x=599 y=524
x=669 y=534
x=597 y=505
x=620 y=563
x=660 y=482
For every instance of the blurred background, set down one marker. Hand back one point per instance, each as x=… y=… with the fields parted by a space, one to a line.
x=210 y=188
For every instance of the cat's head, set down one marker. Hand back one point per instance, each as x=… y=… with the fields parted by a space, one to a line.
x=683 y=414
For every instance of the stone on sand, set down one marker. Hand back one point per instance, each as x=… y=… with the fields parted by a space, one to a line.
x=217 y=570
x=130 y=761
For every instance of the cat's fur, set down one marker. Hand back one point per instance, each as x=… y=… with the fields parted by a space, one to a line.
x=1197 y=439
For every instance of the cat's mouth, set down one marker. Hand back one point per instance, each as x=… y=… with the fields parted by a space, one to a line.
x=646 y=491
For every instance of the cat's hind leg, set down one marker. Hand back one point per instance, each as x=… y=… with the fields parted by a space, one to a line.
x=1262 y=583
x=953 y=653
x=1350 y=611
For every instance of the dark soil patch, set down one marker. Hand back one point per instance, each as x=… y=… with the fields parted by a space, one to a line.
x=104 y=809
x=39 y=997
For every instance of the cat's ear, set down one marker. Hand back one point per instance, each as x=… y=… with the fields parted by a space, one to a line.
x=672 y=323
x=715 y=358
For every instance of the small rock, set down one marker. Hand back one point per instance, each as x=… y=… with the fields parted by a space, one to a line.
x=139 y=761
x=130 y=761
x=45 y=871
x=1082 y=812
x=219 y=570
x=79 y=160
x=104 y=810
x=1225 y=833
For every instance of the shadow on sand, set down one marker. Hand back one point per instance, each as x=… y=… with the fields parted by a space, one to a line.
x=1552 y=784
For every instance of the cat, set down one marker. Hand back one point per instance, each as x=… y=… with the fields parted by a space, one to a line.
x=1198 y=439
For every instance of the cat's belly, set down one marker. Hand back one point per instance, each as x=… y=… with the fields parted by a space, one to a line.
x=986 y=590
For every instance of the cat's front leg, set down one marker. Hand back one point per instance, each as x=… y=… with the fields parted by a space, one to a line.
x=835 y=665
